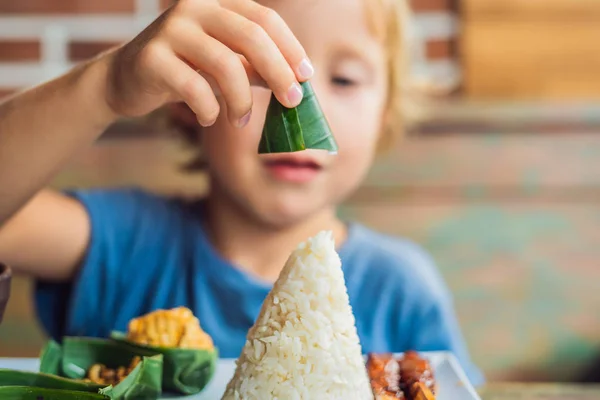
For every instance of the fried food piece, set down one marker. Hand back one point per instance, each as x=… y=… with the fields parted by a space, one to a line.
x=384 y=373
x=102 y=375
x=414 y=369
x=169 y=328
x=419 y=391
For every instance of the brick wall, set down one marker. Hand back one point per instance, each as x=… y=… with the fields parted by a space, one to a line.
x=39 y=39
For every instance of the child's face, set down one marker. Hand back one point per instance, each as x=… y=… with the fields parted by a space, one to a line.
x=350 y=82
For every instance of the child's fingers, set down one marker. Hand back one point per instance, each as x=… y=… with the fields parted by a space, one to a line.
x=189 y=85
x=222 y=65
x=253 y=76
x=279 y=31
x=251 y=40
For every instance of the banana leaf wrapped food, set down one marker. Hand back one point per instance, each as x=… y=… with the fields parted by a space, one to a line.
x=25 y=385
x=36 y=393
x=296 y=129
x=9 y=377
x=122 y=374
x=189 y=354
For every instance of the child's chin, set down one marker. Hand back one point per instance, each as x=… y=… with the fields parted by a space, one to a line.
x=281 y=214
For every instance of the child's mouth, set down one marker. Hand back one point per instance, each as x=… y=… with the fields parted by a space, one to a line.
x=291 y=169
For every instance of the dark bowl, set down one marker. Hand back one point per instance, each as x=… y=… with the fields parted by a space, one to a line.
x=5 y=277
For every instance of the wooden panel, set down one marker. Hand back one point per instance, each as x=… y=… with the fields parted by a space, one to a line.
x=558 y=10
x=531 y=50
x=525 y=162
x=549 y=60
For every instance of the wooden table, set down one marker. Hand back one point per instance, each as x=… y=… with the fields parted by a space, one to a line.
x=537 y=391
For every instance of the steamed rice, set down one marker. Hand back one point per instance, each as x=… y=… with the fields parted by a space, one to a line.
x=304 y=344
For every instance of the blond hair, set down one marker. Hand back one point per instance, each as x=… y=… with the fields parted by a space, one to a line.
x=389 y=21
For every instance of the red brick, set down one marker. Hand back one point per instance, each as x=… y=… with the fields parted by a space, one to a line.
x=164 y=4
x=432 y=5
x=19 y=51
x=79 y=51
x=441 y=49
x=66 y=6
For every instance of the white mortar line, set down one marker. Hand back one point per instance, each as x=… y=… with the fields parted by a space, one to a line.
x=147 y=8
x=17 y=75
x=439 y=73
x=82 y=27
x=54 y=44
x=436 y=25
x=26 y=74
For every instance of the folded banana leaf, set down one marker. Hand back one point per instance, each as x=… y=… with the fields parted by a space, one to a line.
x=296 y=129
x=76 y=355
x=9 y=377
x=185 y=371
x=51 y=358
x=35 y=393
x=143 y=383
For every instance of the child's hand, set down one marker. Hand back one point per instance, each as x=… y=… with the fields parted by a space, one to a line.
x=193 y=51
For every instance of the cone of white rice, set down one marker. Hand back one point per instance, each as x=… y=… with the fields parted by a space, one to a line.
x=304 y=343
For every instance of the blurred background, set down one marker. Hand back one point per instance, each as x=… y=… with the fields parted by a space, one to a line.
x=498 y=177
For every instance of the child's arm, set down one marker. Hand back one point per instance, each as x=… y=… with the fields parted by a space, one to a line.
x=41 y=128
x=193 y=48
x=47 y=238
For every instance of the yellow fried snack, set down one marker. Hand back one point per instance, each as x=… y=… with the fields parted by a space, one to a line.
x=169 y=328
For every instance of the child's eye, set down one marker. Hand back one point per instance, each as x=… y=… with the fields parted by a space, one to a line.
x=343 y=81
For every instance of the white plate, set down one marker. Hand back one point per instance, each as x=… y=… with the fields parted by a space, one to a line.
x=451 y=379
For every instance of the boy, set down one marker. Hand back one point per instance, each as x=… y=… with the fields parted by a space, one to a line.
x=103 y=257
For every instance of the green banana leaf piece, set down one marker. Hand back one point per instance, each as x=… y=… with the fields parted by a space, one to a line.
x=9 y=377
x=77 y=355
x=35 y=393
x=296 y=129
x=185 y=371
x=51 y=358
x=143 y=383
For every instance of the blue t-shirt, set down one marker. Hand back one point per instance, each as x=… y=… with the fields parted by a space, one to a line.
x=148 y=252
